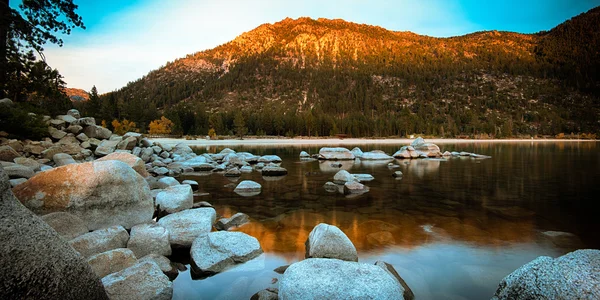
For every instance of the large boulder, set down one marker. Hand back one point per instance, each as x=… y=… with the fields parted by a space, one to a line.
x=337 y=153
x=36 y=262
x=149 y=238
x=319 y=278
x=131 y=160
x=328 y=241
x=426 y=149
x=185 y=226
x=112 y=261
x=175 y=198
x=102 y=193
x=144 y=280
x=95 y=131
x=67 y=225
x=100 y=241
x=575 y=275
x=213 y=252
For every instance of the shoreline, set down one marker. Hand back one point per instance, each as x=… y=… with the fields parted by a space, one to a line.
x=341 y=142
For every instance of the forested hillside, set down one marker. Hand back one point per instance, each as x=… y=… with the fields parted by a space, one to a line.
x=323 y=77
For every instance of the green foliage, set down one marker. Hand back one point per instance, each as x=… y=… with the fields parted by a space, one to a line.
x=240 y=125
x=17 y=122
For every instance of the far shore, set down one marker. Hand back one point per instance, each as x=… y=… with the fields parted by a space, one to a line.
x=340 y=142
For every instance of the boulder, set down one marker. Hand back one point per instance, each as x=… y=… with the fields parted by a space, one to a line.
x=102 y=193
x=106 y=147
x=248 y=188
x=144 y=280
x=571 y=276
x=163 y=263
x=319 y=278
x=18 y=171
x=269 y=158
x=56 y=133
x=357 y=152
x=160 y=171
x=7 y=153
x=131 y=160
x=127 y=143
x=63 y=159
x=337 y=153
x=36 y=262
x=87 y=121
x=213 y=252
x=375 y=155
x=95 y=131
x=34 y=148
x=342 y=177
x=273 y=171
x=6 y=102
x=15 y=182
x=397 y=174
x=232 y=172
x=28 y=162
x=67 y=118
x=330 y=187
x=175 y=198
x=304 y=154
x=407 y=292
x=363 y=177
x=57 y=123
x=355 y=188
x=149 y=238
x=67 y=225
x=74 y=113
x=166 y=182
x=182 y=149
x=192 y=183
x=185 y=226
x=328 y=241
x=111 y=261
x=266 y=294
x=100 y=241
x=236 y=220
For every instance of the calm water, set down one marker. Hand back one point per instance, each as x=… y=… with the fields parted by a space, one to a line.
x=452 y=229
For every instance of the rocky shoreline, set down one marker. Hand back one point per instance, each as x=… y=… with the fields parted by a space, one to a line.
x=114 y=212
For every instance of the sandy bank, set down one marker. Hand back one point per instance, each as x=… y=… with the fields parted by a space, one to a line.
x=342 y=142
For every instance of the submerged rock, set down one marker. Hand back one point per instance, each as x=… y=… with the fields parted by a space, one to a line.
x=571 y=276
x=344 y=280
x=213 y=252
x=328 y=241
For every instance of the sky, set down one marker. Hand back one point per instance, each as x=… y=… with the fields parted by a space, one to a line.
x=126 y=39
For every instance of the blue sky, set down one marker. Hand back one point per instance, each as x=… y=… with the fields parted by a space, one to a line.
x=124 y=40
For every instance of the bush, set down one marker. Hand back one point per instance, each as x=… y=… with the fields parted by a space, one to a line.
x=162 y=126
x=20 y=125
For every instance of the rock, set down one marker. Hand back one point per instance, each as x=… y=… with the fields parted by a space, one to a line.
x=213 y=252
x=186 y=225
x=232 y=172
x=375 y=155
x=363 y=177
x=100 y=241
x=248 y=188
x=161 y=171
x=407 y=292
x=330 y=187
x=342 y=177
x=273 y=171
x=67 y=225
x=94 y=142
x=111 y=261
x=163 y=263
x=344 y=280
x=446 y=154
x=15 y=182
x=355 y=188
x=174 y=199
x=131 y=160
x=571 y=276
x=144 y=280
x=138 y=137
x=127 y=143
x=56 y=134
x=102 y=193
x=266 y=294
x=63 y=159
x=6 y=102
x=246 y=169
x=335 y=154
x=563 y=239
x=192 y=183
x=304 y=154
x=397 y=174
x=357 y=152
x=36 y=262
x=95 y=131
x=269 y=158
x=74 y=113
x=18 y=171
x=149 y=238
x=236 y=220
x=7 y=153
x=87 y=121
x=166 y=182
x=57 y=123
x=182 y=149
x=202 y=203
x=67 y=118
x=380 y=238
x=328 y=241
x=106 y=147
x=35 y=149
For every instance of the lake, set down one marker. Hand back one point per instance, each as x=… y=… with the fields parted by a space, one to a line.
x=451 y=228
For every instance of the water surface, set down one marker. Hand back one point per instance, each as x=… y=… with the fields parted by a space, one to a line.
x=452 y=228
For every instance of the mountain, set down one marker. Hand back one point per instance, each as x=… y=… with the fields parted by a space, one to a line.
x=77 y=94
x=322 y=77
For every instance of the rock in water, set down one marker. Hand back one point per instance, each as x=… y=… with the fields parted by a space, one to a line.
x=248 y=188
x=175 y=198
x=69 y=226
x=273 y=171
x=304 y=154
x=375 y=155
x=112 y=261
x=100 y=241
x=102 y=193
x=149 y=239
x=321 y=278
x=185 y=226
x=236 y=220
x=408 y=293
x=213 y=252
x=144 y=280
x=36 y=262
x=163 y=263
x=338 y=153
x=342 y=177
x=571 y=276
x=328 y=241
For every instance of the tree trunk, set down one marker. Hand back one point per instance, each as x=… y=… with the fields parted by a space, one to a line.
x=4 y=26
